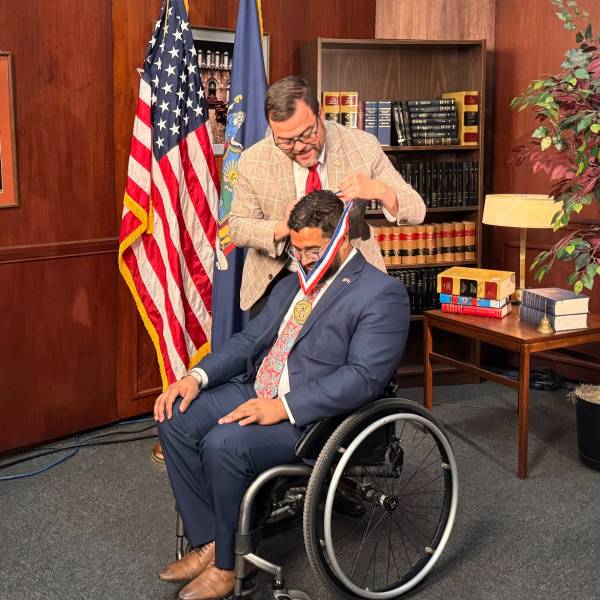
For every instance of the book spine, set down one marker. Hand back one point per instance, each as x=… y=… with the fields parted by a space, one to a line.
x=479 y=311
x=349 y=109
x=331 y=106
x=407 y=124
x=371 y=117
x=427 y=114
x=470 y=240
x=434 y=121
x=360 y=120
x=532 y=315
x=384 y=122
x=459 y=238
x=467 y=106
x=436 y=141
x=432 y=102
x=398 y=137
x=483 y=302
x=432 y=128
x=533 y=300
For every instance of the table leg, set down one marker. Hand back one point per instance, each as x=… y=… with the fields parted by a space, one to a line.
x=427 y=348
x=524 y=363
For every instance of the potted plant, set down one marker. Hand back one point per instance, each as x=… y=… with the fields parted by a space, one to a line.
x=566 y=145
x=587 y=408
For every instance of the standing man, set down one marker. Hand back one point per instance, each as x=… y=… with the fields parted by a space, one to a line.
x=306 y=153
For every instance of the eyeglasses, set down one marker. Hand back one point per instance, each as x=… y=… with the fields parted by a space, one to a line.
x=308 y=136
x=310 y=254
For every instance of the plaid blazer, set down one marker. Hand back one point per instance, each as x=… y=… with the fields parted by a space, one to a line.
x=265 y=185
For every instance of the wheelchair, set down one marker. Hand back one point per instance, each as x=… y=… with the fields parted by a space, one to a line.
x=394 y=458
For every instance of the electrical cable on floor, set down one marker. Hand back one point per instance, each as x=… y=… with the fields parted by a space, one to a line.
x=94 y=440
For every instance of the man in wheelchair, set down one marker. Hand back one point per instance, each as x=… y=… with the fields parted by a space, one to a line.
x=305 y=357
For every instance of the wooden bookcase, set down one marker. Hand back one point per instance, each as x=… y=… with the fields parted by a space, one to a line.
x=401 y=70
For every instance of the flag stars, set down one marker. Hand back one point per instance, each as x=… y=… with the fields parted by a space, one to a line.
x=160 y=142
x=182 y=77
x=189 y=103
x=167 y=88
x=164 y=106
x=162 y=124
x=198 y=110
x=170 y=70
x=174 y=129
x=180 y=94
x=177 y=35
x=184 y=26
x=158 y=63
x=177 y=112
x=174 y=52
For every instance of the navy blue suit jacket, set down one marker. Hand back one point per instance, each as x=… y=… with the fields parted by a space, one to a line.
x=345 y=353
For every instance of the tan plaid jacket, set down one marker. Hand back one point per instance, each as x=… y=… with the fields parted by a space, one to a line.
x=265 y=185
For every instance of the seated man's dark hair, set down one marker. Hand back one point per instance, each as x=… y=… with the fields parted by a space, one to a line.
x=321 y=208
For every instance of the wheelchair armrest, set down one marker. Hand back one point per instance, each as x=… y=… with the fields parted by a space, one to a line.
x=314 y=437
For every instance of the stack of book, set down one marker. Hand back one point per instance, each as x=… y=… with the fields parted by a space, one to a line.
x=479 y=292
x=565 y=309
x=424 y=122
x=420 y=285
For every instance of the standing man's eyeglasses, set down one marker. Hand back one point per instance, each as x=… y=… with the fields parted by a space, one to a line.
x=310 y=254
x=306 y=137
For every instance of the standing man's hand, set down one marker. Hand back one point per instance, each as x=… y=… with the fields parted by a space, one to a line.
x=263 y=411
x=187 y=388
x=358 y=185
x=281 y=229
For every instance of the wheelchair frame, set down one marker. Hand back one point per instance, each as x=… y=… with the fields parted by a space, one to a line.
x=379 y=414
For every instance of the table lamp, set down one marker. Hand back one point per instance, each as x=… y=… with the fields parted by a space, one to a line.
x=525 y=211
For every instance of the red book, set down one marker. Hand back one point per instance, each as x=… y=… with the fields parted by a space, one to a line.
x=478 y=311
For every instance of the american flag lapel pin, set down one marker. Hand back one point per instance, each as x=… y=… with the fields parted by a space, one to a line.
x=346 y=280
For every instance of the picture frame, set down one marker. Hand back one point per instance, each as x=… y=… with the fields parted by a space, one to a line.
x=215 y=53
x=9 y=196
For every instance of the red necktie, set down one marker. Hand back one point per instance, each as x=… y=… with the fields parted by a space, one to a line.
x=313 y=182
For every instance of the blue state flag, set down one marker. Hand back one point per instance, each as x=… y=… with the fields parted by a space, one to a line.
x=246 y=125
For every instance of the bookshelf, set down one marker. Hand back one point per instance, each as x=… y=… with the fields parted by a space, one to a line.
x=411 y=69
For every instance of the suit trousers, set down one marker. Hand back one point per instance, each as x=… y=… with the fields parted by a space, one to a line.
x=210 y=466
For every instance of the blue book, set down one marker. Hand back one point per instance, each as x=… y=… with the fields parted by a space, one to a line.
x=371 y=117
x=468 y=301
x=555 y=301
x=384 y=122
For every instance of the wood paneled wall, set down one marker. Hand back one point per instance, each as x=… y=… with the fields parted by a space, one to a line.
x=288 y=24
x=530 y=44
x=58 y=248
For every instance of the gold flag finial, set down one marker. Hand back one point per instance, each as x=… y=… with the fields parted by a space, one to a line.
x=260 y=19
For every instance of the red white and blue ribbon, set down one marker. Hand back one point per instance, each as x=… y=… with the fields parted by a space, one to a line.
x=310 y=280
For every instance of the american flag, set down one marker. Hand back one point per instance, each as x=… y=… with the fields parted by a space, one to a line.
x=168 y=229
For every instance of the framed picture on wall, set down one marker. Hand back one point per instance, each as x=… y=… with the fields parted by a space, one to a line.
x=215 y=53
x=8 y=154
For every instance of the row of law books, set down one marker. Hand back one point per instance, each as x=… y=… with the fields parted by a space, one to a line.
x=477 y=292
x=451 y=119
x=421 y=287
x=443 y=184
x=565 y=309
x=430 y=243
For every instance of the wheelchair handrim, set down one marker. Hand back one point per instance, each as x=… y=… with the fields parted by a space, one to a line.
x=337 y=474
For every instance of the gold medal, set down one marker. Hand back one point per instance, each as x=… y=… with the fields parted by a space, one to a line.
x=302 y=310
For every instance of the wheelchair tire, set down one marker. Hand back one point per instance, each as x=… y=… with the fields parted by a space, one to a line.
x=410 y=494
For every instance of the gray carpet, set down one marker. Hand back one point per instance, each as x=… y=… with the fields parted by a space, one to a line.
x=100 y=525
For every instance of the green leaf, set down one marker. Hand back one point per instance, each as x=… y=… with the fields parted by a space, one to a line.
x=573 y=277
x=582 y=260
x=537 y=84
x=579 y=38
x=577 y=207
x=588 y=281
x=595 y=128
x=578 y=287
x=546 y=143
x=570 y=26
x=572 y=80
x=582 y=73
x=591 y=269
x=583 y=124
x=540 y=132
x=588 y=32
x=570 y=249
x=562 y=16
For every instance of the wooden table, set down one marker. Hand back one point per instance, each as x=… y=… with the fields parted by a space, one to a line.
x=509 y=333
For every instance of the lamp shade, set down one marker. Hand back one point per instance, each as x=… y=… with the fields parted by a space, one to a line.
x=531 y=211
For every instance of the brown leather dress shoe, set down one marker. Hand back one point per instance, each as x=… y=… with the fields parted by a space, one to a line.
x=212 y=584
x=191 y=565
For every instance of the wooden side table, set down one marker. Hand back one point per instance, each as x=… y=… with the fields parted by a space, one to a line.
x=509 y=333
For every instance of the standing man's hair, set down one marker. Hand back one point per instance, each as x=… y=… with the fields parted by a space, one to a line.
x=281 y=98
x=321 y=208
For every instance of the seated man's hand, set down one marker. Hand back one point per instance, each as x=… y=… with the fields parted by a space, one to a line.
x=187 y=388
x=263 y=411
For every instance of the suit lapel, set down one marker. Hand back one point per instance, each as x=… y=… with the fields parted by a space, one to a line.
x=341 y=284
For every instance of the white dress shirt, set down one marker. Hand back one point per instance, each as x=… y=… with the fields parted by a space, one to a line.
x=284 y=382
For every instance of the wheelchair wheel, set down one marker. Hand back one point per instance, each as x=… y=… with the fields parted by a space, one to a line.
x=395 y=457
